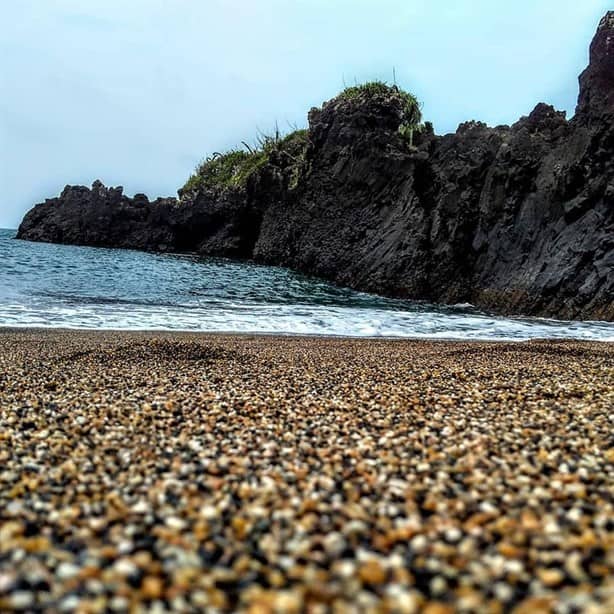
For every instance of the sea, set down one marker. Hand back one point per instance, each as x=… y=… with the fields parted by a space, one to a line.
x=62 y=286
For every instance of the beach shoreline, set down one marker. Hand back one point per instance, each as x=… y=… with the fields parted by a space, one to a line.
x=212 y=335
x=245 y=472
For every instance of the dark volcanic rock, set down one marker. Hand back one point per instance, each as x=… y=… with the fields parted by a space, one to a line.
x=101 y=217
x=596 y=91
x=515 y=219
x=213 y=223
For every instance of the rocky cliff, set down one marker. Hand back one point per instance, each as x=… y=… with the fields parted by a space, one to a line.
x=515 y=219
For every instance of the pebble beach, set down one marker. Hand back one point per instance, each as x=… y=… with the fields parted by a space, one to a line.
x=154 y=472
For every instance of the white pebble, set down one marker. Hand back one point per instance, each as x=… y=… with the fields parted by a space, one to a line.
x=175 y=523
x=65 y=571
x=21 y=600
x=453 y=534
x=125 y=567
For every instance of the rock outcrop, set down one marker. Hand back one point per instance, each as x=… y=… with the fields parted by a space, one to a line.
x=102 y=217
x=516 y=219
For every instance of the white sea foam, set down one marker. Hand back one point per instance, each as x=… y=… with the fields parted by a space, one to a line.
x=301 y=319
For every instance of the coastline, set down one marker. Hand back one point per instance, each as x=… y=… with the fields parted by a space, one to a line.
x=194 y=470
x=417 y=338
x=50 y=287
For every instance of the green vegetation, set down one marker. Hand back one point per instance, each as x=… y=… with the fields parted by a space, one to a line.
x=233 y=168
x=230 y=169
x=370 y=88
x=290 y=151
x=292 y=146
x=412 y=116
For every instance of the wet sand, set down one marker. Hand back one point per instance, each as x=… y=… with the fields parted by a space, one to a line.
x=154 y=472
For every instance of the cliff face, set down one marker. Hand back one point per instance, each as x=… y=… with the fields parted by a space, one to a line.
x=515 y=219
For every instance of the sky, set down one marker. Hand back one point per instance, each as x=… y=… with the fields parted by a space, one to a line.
x=137 y=92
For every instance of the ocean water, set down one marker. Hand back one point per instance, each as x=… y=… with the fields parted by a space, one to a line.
x=58 y=286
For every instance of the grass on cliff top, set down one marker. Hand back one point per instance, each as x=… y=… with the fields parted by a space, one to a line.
x=233 y=168
x=412 y=116
x=230 y=169
x=293 y=144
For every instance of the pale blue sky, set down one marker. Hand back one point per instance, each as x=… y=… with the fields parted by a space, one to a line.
x=136 y=92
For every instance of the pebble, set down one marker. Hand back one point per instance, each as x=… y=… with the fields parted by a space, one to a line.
x=453 y=535
x=70 y=603
x=419 y=543
x=66 y=571
x=152 y=587
x=125 y=567
x=550 y=577
x=120 y=604
x=372 y=572
x=334 y=544
x=21 y=600
x=175 y=523
x=7 y=582
x=438 y=586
